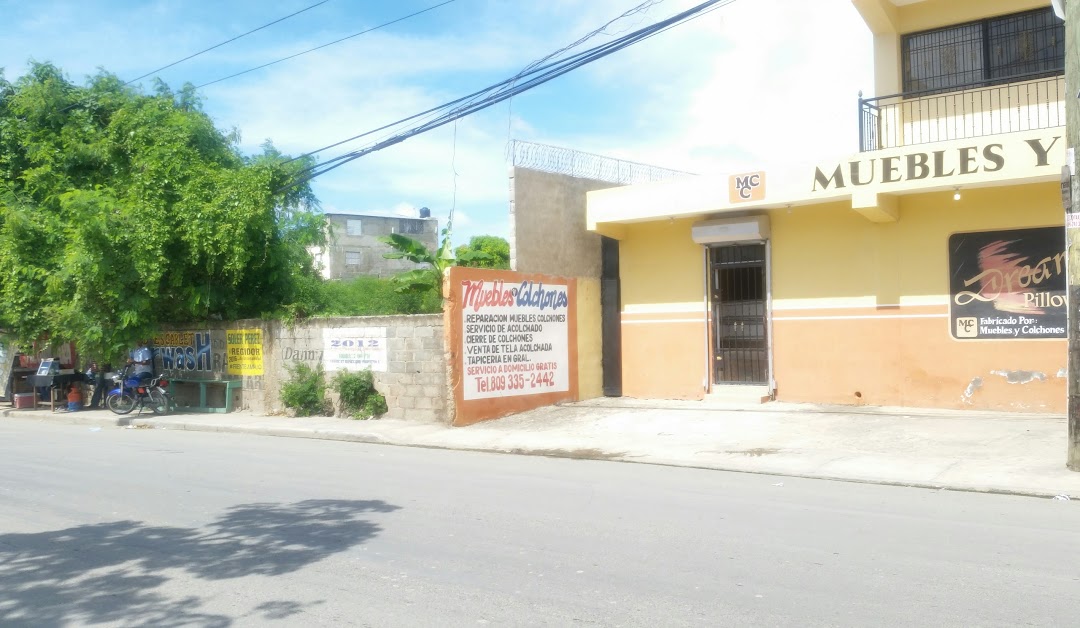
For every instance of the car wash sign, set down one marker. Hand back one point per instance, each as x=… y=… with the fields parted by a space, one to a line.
x=1008 y=285
x=515 y=338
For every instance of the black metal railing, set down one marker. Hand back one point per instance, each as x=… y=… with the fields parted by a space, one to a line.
x=976 y=110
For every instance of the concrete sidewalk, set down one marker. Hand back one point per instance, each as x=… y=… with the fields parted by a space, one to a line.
x=975 y=451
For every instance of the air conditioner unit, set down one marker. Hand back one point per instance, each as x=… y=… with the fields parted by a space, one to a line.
x=731 y=230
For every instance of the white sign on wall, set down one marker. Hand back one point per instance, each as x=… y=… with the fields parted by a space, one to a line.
x=515 y=339
x=355 y=349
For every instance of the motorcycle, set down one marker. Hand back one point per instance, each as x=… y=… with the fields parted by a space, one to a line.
x=131 y=392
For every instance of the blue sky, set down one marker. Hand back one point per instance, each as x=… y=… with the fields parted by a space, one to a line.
x=758 y=84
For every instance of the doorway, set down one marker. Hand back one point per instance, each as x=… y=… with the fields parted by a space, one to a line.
x=610 y=317
x=738 y=296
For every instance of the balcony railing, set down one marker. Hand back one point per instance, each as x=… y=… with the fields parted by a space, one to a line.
x=967 y=111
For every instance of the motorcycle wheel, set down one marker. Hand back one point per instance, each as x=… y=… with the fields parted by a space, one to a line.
x=159 y=401
x=121 y=403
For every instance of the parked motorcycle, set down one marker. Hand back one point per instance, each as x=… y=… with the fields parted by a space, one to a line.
x=130 y=393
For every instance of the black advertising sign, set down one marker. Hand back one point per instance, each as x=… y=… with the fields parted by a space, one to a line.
x=1008 y=285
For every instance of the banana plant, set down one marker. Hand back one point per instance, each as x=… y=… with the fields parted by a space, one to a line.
x=436 y=263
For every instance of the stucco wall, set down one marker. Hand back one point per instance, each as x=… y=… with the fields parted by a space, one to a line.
x=590 y=347
x=860 y=310
x=547 y=224
x=415 y=382
x=664 y=340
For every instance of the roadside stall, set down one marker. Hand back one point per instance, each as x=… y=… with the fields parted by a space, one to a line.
x=39 y=374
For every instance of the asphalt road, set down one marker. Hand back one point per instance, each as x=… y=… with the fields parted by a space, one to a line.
x=161 y=528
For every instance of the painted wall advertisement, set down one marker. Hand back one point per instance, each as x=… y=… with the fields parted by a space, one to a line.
x=244 y=352
x=515 y=338
x=1007 y=285
x=184 y=351
x=355 y=349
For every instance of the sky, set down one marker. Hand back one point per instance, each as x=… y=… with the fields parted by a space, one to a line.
x=754 y=85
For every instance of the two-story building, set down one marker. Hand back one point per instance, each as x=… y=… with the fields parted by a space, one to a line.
x=354 y=248
x=926 y=270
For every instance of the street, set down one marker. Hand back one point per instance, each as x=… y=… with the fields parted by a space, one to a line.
x=143 y=527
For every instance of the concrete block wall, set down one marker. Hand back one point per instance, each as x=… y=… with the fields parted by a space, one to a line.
x=416 y=385
x=415 y=382
x=548 y=234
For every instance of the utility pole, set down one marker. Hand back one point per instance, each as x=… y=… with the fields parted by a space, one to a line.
x=1072 y=218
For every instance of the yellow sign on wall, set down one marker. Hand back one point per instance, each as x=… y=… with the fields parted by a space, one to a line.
x=244 y=351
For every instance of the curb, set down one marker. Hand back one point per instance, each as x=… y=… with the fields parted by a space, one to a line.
x=176 y=422
x=166 y=423
x=280 y=432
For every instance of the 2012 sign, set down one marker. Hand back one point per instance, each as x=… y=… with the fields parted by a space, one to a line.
x=355 y=349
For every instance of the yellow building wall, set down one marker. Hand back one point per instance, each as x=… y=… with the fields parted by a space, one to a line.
x=861 y=314
x=860 y=310
x=589 y=340
x=662 y=281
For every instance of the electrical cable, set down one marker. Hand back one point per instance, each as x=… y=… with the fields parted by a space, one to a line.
x=192 y=56
x=641 y=8
x=336 y=41
x=472 y=103
x=534 y=66
x=227 y=41
x=552 y=71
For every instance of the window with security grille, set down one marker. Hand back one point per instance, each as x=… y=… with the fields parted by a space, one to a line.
x=353 y=258
x=1014 y=47
x=408 y=226
x=354 y=227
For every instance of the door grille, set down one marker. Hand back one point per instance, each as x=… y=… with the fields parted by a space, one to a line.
x=739 y=317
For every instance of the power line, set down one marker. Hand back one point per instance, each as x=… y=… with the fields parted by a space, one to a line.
x=336 y=41
x=227 y=41
x=293 y=56
x=644 y=6
x=501 y=91
x=192 y=56
x=641 y=8
x=473 y=102
x=482 y=95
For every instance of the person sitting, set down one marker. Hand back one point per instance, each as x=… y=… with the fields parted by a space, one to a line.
x=142 y=363
x=74 y=398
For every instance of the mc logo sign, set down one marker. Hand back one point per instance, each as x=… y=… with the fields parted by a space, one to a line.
x=746 y=187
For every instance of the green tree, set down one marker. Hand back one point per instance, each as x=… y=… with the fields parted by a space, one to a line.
x=120 y=211
x=496 y=250
x=433 y=263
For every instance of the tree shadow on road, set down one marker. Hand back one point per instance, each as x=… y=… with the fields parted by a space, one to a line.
x=108 y=572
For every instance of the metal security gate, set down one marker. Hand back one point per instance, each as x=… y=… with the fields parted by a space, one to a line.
x=610 y=317
x=739 y=317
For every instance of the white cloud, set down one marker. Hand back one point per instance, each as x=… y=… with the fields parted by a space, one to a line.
x=756 y=84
